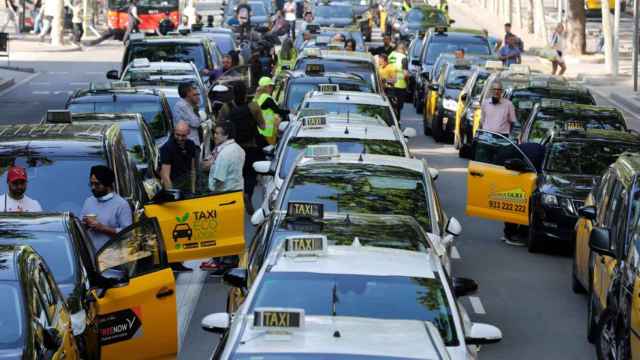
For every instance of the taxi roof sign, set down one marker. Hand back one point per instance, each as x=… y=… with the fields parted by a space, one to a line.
x=314 y=69
x=556 y=103
x=278 y=319
x=462 y=64
x=325 y=151
x=493 y=65
x=329 y=88
x=120 y=85
x=314 y=122
x=306 y=245
x=297 y=209
x=59 y=117
x=311 y=112
x=312 y=52
x=520 y=69
x=140 y=63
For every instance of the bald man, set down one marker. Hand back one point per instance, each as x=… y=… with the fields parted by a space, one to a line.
x=178 y=160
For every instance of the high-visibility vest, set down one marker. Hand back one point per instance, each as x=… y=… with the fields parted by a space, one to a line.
x=268 y=115
x=290 y=62
x=397 y=58
x=406 y=6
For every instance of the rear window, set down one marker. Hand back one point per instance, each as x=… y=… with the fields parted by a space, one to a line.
x=365 y=70
x=178 y=52
x=545 y=121
x=472 y=45
x=296 y=92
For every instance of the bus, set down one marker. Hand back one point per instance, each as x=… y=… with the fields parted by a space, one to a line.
x=151 y=12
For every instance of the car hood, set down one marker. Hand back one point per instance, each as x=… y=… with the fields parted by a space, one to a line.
x=451 y=94
x=573 y=186
x=334 y=21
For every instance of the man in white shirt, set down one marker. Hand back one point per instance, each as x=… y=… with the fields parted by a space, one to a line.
x=497 y=113
x=226 y=171
x=15 y=200
x=185 y=109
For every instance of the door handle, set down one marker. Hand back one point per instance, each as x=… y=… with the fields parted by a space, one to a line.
x=475 y=173
x=228 y=203
x=164 y=293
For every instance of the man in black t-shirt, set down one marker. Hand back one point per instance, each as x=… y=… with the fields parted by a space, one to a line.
x=178 y=160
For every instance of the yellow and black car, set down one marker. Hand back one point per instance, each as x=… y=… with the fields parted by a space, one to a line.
x=35 y=321
x=468 y=102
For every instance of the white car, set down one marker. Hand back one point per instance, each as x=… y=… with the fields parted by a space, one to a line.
x=343 y=286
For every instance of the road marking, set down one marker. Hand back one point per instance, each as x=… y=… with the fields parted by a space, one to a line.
x=20 y=83
x=456 y=170
x=188 y=289
x=58 y=72
x=38 y=83
x=79 y=83
x=41 y=92
x=476 y=304
x=94 y=72
x=454 y=253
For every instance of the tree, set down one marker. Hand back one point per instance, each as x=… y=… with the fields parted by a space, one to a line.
x=576 y=39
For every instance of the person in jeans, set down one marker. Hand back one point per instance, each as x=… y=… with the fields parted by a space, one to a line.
x=78 y=31
x=557 y=43
x=133 y=20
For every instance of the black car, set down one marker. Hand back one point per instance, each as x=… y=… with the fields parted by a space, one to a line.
x=152 y=104
x=223 y=38
x=334 y=14
x=35 y=321
x=449 y=84
x=323 y=39
x=293 y=86
x=470 y=98
x=421 y=18
x=197 y=50
x=574 y=162
x=550 y=115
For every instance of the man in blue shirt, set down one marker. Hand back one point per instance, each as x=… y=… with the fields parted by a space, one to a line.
x=105 y=213
x=510 y=53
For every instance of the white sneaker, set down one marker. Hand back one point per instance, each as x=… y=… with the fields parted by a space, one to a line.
x=512 y=242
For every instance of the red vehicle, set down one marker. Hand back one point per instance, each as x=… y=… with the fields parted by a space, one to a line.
x=151 y=12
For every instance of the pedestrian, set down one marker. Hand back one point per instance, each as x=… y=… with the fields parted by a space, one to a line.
x=386 y=48
x=105 y=213
x=386 y=71
x=133 y=20
x=178 y=160
x=398 y=59
x=226 y=174
x=186 y=109
x=509 y=53
x=306 y=21
x=507 y=33
x=350 y=45
x=184 y=23
x=286 y=57
x=37 y=17
x=14 y=200
x=497 y=114
x=76 y=19
x=290 y=16
x=12 y=9
x=48 y=12
x=557 y=44
x=271 y=112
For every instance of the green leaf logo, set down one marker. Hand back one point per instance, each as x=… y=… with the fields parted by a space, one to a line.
x=183 y=219
x=178 y=219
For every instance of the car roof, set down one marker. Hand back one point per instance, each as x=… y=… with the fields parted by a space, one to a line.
x=367 y=159
x=25 y=222
x=339 y=131
x=337 y=55
x=347 y=96
x=104 y=117
x=168 y=40
x=9 y=255
x=299 y=76
x=163 y=65
x=379 y=338
x=457 y=35
x=597 y=135
x=628 y=167
x=113 y=95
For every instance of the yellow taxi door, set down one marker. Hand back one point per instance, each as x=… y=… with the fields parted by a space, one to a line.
x=202 y=226
x=476 y=120
x=459 y=110
x=500 y=180
x=635 y=319
x=583 y=231
x=137 y=312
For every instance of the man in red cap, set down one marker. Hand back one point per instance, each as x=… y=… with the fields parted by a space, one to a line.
x=15 y=200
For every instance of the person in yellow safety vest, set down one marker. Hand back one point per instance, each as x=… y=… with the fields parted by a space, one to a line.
x=271 y=112
x=286 y=57
x=398 y=59
x=406 y=5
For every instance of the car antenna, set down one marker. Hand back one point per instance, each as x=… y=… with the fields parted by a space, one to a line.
x=347 y=220
x=346 y=129
x=334 y=299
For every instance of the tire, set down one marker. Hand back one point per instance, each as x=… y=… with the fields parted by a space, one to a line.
x=591 y=319
x=436 y=129
x=612 y=340
x=463 y=151
x=533 y=242
x=417 y=104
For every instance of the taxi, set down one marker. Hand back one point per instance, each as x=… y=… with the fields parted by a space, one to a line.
x=323 y=38
x=359 y=63
x=337 y=14
x=292 y=86
x=442 y=99
x=35 y=321
x=354 y=135
x=349 y=103
x=596 y=5
x=68 y=151
x=419 y=19
x=359 y=282
x=614 y=305
x=504 y=185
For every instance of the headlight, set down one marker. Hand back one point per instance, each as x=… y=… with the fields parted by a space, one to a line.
x=450 y=104
x=567 y=205
x=549 y=200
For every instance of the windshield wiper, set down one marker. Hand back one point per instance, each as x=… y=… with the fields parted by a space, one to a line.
x=334 y=299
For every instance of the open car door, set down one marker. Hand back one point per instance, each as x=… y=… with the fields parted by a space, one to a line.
x=200 y=224
x=136 y=300
x=500 y=180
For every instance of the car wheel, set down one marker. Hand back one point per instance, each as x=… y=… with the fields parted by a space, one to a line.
x=533 y=241
x=613 y=340
x=438 y=135
x=417 y=104
x=591 y=317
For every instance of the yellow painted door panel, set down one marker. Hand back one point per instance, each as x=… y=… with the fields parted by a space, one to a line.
x=203 y=227
x=139 y=321
x=583 y=231
x=459 y=110
x=496 y=193
x=635 y=319
x=476 y=120
x=433 y=99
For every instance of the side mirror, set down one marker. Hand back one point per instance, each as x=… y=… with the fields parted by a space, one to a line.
x=167 y=195
x=516 y=165
x=434 y=87
x=283 y=126
x=463 y=97
x=426 y=75
x=463 y=286
x=113 y=75
x=434 y=173
x=415 y=62
x=453 y=227
x=216 y=323
x=111 y=278
x=451 y=22
x=269 y=150
x=51 y=338
x=409 y=133
x=600 y=241
x=258 y=217
x=263 y=167
x=236 y=277
x=588 y=212
x=482 y=334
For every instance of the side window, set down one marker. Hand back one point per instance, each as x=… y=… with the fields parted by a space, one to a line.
x=45 y=292
x=606 y=197
x=256 y=251
x=618 y=220
x=495 y=149
x=121 y=168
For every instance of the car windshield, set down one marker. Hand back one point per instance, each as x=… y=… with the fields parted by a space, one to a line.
x=546 y=120
x=12 y=331
x=176 y=52
x=135 y=144
x=158 y=77
x=345 y=146
x=377 y=111
x=54 y=246
x=151 y=112
x=568 y=157
x=426 y=16
x=382 y=297
x=457 y=79
x=362 y=188
x=473 y=45
x=297 y=91
x=366 y=70
x=524 y=99
x=334 y=11
x=479 y=85
x=69 y=177
x=310 y=356
x=257 y=9
x=417 y=48
x=224 y=43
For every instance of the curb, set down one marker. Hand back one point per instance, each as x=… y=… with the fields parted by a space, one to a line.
x=5 y=84
x=17 y=68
